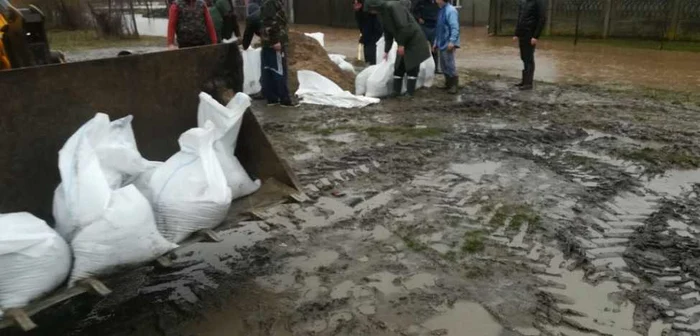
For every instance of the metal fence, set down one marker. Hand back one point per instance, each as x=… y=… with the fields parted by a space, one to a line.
x=339 y=13
x=649 y=19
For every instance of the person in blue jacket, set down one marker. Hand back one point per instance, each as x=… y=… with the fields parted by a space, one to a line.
x=447 y=42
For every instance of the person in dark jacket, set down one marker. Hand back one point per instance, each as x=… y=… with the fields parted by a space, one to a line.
x=532 y=17
x=253 y=25
x=426 y=13
x=371 y=31
x=273 y=55
x=400 y=25
x=191 y=23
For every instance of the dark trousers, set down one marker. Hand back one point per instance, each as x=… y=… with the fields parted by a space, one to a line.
x=527 y=54
x=400 y=69
x=274 y=75
x=370 y=53
x=230 y=26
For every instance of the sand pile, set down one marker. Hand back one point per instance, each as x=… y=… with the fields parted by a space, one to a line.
x=305 y=53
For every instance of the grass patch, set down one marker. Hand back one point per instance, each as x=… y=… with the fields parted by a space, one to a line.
x=473 y=242
x=519 y=214
x=414 y=244
x=76 y=40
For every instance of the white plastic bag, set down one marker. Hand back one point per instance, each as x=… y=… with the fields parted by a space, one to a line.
x=318 y=90
x=361 y=80
x=34 y=259
x=251 y=71
x=125 y=235
x=342 y=63
x=426 y=75
x=99 y=157
x=318 y=37
x=380 y=81
x=227 y=122
x=189 y=191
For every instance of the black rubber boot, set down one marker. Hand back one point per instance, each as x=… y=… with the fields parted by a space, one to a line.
x=398 y=85
x=455 y=85
x=528 y=79
x=522 y=79
x=411 y=86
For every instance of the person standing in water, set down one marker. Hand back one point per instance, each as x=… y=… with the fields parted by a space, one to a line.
x=413 y=48
x=532 y=18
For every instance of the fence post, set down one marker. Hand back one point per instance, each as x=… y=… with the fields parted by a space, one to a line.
x=675 y=18
x=608 y=15
x=499 y=15
x=473 y=13
x=550 y=13
x=291 y=11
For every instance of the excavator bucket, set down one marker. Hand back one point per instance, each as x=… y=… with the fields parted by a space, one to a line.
x=45 y=105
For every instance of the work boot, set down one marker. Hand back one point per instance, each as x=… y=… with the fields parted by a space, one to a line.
x=398 y=85
x=411 y=86
x=455 y=85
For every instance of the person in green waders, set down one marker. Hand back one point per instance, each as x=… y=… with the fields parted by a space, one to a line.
x=400 y=26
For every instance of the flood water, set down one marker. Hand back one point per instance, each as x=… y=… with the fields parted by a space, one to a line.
x=557 y=61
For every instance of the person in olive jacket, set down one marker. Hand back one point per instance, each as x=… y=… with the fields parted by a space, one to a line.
x=400 y=25
x=532 y=17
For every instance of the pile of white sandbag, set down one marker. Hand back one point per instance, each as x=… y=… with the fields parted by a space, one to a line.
x=340 y=60
x=114 y=209
x=377 y=80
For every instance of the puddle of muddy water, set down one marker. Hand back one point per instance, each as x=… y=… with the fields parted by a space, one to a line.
x=602 y=307
x=465 y=318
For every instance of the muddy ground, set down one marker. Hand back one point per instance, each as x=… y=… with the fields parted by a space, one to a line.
x=570 y=210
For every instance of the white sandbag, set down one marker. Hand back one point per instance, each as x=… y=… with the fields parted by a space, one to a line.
x=189 y=191
x=141 y=183
x=318 y=37
x=125 y=235
x=319 y=90
x=34 y=259
x=251 y=71
x=342 y=63
x=380 y=81
x=227 y=122
x=99 y=157
x=426 y=75
x=361 y=80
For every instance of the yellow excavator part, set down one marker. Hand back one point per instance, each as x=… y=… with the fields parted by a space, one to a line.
x=4 y=60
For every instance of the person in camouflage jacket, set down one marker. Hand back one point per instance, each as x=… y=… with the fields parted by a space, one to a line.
x=273 y=55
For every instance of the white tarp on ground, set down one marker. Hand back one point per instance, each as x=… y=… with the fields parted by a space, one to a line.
x=342 y=63
x=318 y=90
x=251 y=71
x=379 y=81
x=318 y=37
x=34 y=259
